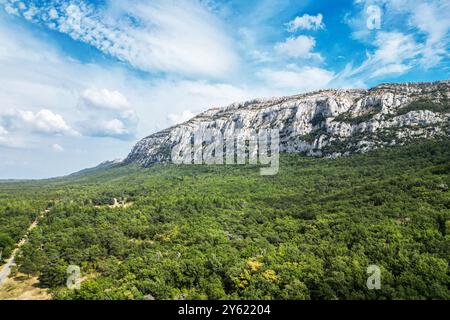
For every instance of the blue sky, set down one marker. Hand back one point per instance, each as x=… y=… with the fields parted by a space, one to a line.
x=81 y=81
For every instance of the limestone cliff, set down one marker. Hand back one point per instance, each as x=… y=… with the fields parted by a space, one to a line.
x=322 y=123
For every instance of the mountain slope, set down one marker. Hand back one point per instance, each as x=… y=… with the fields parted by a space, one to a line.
x=322 y=123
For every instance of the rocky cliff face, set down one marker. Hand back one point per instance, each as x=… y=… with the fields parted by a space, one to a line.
x=323 y=123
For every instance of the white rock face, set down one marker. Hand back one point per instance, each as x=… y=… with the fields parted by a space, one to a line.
x=323 y=123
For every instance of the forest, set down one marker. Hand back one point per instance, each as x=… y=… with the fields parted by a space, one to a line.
x=225 y=232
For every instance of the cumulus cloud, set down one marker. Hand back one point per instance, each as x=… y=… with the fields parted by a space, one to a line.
x=180 y=118
x=181 y=37
x=114 y=128
x=108 y=113
x=306 y=22
x=44 y=121
x=298 y=47
x=104 y=98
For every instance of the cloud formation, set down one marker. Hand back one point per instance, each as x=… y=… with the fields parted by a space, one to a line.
x=395 y=53
x=169 y=36
x=306 y=22
x=110 y=128
x=413 y=34
x=44 y=121
x=104 y=98
x=108 y=113
x=298 y=47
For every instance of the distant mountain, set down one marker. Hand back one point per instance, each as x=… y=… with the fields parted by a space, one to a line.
x=322 y=123
x=109 y=163
x=103 y=165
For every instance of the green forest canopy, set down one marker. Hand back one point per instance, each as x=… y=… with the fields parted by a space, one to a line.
x=214 y=232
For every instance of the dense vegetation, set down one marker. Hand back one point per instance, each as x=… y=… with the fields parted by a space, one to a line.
x=216 y=232
x=15 y=218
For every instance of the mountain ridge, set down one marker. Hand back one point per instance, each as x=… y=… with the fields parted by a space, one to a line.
x=328 y=122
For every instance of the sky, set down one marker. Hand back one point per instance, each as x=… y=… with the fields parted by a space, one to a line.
x=82 y=81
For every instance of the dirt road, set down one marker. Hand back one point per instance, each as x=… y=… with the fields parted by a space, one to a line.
x=6 y=269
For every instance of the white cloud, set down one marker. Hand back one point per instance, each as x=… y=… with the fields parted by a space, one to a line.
x=297 y=80
x=35 y=75
x=298 y=47
x=57 y=148
x=432 y=19
x=395 y=47
x=53 y=14
x=180 y=118
x=425 y=21
x=29 y=12
x=114 y=128
x=44 y=121
x=306 y=22
x=390 y=69
x=395 y=54
x=181 y=37
x=107 y=113
x=90 y=97
x=104 y=98
x=10 y=9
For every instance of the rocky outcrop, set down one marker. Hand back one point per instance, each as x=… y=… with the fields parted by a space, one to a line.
x=322 y=123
